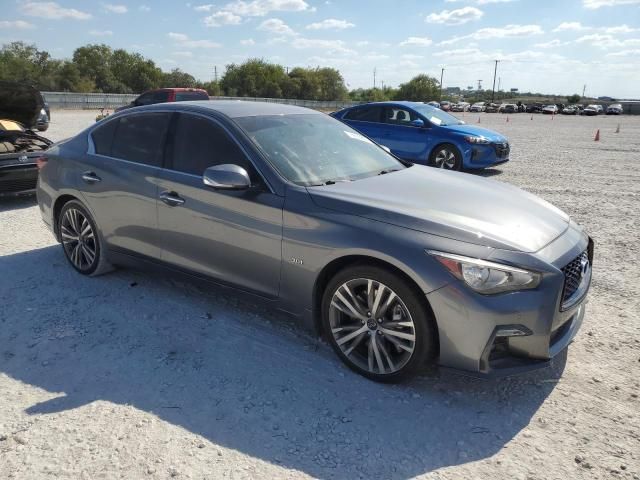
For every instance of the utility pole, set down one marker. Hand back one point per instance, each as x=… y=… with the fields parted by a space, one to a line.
x=215 y=73
x=374 y=77
x=584 y=88
x=441 y=75
x=479 y=85
x=493 y=91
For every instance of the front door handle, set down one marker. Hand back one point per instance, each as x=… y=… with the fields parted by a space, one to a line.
x=172 y=199
x=90 y=177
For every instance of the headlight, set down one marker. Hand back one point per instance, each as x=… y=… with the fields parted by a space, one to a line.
x=474 y=139
x=486 y=277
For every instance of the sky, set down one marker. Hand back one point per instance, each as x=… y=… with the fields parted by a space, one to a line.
x=548 y=46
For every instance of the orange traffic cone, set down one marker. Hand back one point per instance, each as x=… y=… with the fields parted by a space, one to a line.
x=597 y=139
x=618 y=129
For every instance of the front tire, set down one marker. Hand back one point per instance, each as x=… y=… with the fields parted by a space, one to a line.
x=81 y=240
x=447 y=157
x=377 y=323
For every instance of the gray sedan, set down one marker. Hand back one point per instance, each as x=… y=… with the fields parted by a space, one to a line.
x=398 y=265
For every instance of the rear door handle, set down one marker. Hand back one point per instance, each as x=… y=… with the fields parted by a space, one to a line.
x=172 y=199
x=90 y=177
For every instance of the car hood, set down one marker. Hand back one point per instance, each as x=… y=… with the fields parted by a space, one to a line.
x=20 y=103
x=449 y=204
x=479 y=131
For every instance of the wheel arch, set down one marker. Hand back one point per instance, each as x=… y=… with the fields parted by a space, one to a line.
x=338 y=264
x=57 y=208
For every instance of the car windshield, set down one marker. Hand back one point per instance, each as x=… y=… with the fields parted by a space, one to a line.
x=314 y=149
x=436 y=116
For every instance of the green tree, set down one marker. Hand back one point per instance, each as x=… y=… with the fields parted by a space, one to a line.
x=254 y=78
x=178 y=78
x=421 y=88
x=575 y=98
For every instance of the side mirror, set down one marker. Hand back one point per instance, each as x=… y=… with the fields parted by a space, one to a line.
x=418 y=122
x=226 y=177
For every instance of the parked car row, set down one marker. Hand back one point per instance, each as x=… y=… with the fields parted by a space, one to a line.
x=333 y=218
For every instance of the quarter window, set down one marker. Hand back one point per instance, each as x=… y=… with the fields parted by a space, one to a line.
x=103 y=137
x=200 y=144
x=140 y=138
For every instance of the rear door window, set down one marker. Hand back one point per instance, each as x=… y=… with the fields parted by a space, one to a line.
x=365 y=114
x=160 y=96
x=140 y=138
x=200 y=143
x=186 y=96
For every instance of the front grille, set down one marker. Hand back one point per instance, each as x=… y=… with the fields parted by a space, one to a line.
x=502 y=150
x=18 y=185
x=573 y=273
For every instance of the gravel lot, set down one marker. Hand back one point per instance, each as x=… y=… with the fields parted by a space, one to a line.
x=135 y=375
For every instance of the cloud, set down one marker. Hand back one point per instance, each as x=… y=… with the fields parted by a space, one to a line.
x=53 y=11
x=276 y=26
x=483 y=2
x=570 y=26
x=607 y=41
x=182 y=54
x=101 y=33
x=417 y=42
x=248 y=42
x=625 y=53
x=144 y=8
x=550 y=44
x=455 y=17
x=260 y=8
x=184 y=41
x=17 y=24
x=330 y=24
x=109 y=7
x=507 y=31
x=218 y=19
x=329 y=46
x=619 y=29
x=204 y=8
x=595 y=4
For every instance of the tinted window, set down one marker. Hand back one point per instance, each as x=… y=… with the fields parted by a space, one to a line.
x=140 y=138
x=364 y=114
x=185 y=96
x=103 y=137
x=200 y=144
x=145 y=99
x=160 y=97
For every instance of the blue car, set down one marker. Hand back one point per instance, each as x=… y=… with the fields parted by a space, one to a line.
x=426 y=135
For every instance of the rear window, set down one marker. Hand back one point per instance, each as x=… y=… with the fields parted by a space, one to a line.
x=186 y=96
x=140 y=138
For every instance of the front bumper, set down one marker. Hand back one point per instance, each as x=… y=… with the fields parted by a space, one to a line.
x=18 y=178
x=482 y=156
x=476 y=331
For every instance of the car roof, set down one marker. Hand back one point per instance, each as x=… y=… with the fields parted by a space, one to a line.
x=237 y=108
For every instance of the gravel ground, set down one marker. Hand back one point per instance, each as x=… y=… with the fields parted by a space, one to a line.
x=134 y=375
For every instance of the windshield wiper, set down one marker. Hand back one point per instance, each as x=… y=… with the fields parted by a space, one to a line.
x=329 y=182
x=383 y=172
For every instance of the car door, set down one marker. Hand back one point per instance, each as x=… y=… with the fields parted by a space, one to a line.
x=233 y=236
x=367 y=120
x=119 y=180
x=404 y=139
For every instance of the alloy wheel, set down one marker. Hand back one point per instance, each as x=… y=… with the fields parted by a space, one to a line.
x=445 y=159
x=372 y=326
x=78 y=239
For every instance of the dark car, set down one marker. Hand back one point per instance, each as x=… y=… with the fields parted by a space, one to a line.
x=163 y=95
x=422 y=134
x=398 y=265
x=535 y=108
x=20 y=147
x=510 y=108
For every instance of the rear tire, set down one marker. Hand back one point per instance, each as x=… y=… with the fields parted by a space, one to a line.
x=378 y=324
x=447 y=157
x=81 y=240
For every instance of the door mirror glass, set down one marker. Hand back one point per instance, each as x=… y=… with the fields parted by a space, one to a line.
x=418 y=122
x=226 y=177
